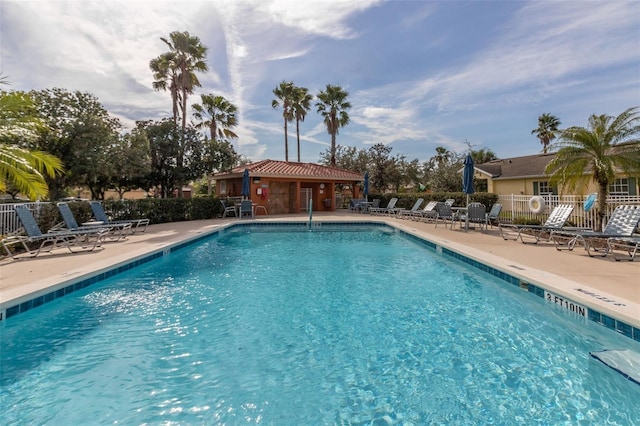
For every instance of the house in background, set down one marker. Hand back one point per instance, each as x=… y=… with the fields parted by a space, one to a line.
x=286 y=187
x=526 y=176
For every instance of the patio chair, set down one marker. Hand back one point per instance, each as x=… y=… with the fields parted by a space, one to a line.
x=384 y=210
x=476 y=214
x=555 y=222
x=622 y=224
x=450 y=202
x=246 y=209
x=494 y=213
x=354 y=204
x=115 y=232
x=87 y=240
x=428 y=212
x=444 y=214
x=375 y=204
x=408 y=212
x=101 y=216
x=227 y=210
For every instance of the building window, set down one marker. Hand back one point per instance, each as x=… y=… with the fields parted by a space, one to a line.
x=543 y=188
x=223 y=187
x=619 y=187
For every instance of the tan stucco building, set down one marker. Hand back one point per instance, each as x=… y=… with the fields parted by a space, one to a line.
x=525 y=176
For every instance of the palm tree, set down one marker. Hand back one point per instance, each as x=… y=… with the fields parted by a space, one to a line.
x=176 y=70
x=546 y=131
x=217 y=114
x=301 y=105
x=285 y=94
x=19 y=167
x=25 y=170
x=186 y=56
x=483 y=156
x=333 y=107
x=608 y=145
x=166 y=77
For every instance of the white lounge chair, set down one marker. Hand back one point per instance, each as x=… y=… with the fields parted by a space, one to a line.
x=409 y=212
x=555 y=222
x=622 y=224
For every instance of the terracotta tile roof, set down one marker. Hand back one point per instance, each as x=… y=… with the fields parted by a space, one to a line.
x=283 y=169
x=516 y=167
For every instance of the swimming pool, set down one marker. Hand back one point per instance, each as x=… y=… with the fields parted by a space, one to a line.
x=322 y=327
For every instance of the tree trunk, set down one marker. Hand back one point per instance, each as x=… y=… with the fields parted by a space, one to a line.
x=603 y=188
x=298 y=136
x=286 y=142
x=333 y=149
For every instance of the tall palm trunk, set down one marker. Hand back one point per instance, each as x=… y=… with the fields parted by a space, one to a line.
x=286 y=142
x=298 y=137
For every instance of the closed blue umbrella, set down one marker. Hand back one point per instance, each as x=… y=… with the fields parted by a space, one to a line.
x=467 y=177
x=366 y=186
x=245 y=184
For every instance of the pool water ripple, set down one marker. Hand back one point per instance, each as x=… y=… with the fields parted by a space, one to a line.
x=318 y=328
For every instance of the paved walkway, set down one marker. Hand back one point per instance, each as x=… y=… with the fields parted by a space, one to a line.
x=597 y=282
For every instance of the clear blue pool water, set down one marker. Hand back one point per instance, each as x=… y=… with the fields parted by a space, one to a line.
x=276 y=328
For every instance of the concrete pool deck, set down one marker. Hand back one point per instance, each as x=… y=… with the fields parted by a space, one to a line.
x=612 y=288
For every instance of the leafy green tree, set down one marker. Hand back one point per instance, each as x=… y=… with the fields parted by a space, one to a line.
x=301 y=105
x=546 y=131
x=333 y=106
x=382 y=165
x=167 y=173
x=79 y=131
x=348 y=158
x=163 y=139
x=219 y=156
x=285 y=97
x=607 y=145
x=442 y=171
x=218 y=115
x=134 y=162
x=413 y=173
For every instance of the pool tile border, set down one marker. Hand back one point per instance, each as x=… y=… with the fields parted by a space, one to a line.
x=593 y=315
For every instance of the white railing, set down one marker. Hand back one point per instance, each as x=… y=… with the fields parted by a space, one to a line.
x=9 y=222
x=513 y=206
x=517 y=207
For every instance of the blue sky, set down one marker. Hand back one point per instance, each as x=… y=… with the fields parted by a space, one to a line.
x=420 y=74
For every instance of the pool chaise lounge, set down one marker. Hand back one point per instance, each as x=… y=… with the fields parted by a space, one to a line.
x=116 y=232
x=137 y=225
x=555 y=222
x=85 y=240
x=409 y=212
x=622 y=224
x=629 y=245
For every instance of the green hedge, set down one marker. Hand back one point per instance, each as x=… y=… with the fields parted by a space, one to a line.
x=163 y=210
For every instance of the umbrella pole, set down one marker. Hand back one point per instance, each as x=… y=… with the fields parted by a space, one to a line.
x=466 y=217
